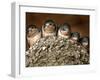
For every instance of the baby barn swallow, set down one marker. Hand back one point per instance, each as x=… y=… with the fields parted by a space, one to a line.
x=49 y=28
x=75 y=36
x=64 y=31
x=33 y=35
x=85 y=42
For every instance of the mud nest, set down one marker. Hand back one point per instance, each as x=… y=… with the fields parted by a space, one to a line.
x=53 y=51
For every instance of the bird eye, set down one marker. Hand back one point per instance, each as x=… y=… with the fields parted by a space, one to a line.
x=50 y=24
x=63 y=29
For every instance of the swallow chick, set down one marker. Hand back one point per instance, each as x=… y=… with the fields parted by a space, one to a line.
x=75 y=36
x=49 y=28
x=33 y=35
x=64 y=31
x=85 y=42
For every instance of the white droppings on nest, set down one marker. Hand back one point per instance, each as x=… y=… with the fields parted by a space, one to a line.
x=27 y=52
x=43 y=48
x=83 y=51
x=79 y=46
